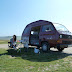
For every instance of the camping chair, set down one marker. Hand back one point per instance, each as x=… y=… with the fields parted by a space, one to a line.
x=11 y=45
x=15 y=46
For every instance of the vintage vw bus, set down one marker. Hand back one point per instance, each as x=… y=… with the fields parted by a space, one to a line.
x=46 y=34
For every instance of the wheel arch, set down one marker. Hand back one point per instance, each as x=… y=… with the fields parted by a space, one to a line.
x=44 y=41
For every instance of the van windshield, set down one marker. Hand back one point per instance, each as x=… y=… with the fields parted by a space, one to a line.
x=60 y=27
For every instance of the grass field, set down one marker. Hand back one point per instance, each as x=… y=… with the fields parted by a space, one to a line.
x=4 y=41
x=11 y=61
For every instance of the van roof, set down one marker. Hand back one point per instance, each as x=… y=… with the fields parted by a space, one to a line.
x=39 y=22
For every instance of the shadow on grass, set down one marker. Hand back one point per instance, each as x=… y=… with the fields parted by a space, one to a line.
x=41 y=57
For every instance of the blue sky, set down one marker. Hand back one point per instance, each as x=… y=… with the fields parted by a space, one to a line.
x=16 y=14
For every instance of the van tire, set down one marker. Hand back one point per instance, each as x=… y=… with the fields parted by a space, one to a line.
x=60 y=49
x=45 y=47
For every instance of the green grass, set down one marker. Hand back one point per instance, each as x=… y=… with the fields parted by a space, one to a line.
x=6 y=42
x=11 y=61
x=3 y=41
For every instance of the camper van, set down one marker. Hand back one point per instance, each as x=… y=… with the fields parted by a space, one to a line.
x=46 y=35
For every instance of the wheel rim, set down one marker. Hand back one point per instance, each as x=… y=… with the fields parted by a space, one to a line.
x=44 y=47
x=60 y=49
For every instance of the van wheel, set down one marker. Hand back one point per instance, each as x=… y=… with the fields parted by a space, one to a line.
x=45 y=47
x=60 y=49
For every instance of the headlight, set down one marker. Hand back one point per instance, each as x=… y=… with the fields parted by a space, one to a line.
x=60 y=36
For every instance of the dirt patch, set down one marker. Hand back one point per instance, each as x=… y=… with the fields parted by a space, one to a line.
x=3 y=45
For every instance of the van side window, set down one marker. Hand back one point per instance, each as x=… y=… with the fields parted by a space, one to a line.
x=27 y=30
x=47 y=28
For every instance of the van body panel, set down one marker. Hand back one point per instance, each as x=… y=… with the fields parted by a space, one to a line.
x=50 y=37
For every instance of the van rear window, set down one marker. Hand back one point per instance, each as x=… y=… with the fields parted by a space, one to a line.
x=47 y=28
